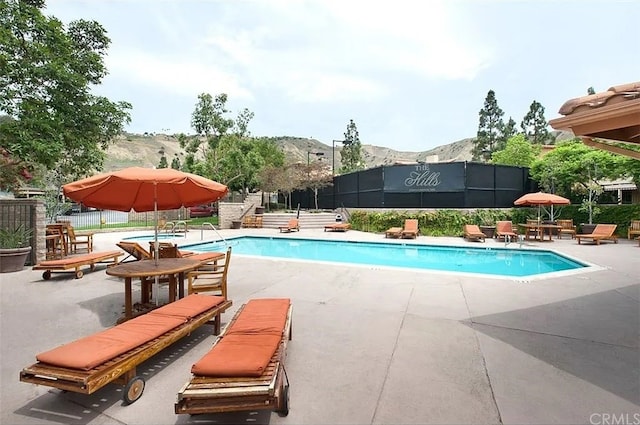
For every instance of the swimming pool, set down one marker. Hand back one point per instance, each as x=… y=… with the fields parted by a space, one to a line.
x=482 y=260
x=151 y=237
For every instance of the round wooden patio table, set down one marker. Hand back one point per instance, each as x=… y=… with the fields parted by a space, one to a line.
x=175 y=268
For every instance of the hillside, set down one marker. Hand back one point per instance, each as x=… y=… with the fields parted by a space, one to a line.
x=144 y=151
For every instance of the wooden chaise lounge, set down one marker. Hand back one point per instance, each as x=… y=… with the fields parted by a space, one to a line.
x=88 y=364
x=473 y=233
x=337 y=227
x=292 y=226
x=74 y=263
x=600 y=233
x=244 y=370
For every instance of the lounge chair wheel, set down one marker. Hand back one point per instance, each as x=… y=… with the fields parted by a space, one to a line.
x=79 y=274
x=283 y=402
x=133 y=390
x=46 y=275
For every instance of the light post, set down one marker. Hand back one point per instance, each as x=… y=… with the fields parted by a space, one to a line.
x=309 y=156
x=333 y=154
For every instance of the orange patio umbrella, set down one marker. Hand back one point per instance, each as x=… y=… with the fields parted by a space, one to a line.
x=144 y=189
x=540 y=199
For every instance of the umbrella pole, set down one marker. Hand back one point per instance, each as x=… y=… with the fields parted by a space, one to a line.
x=156 y=248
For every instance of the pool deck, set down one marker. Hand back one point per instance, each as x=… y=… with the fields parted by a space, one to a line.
x=370 y=345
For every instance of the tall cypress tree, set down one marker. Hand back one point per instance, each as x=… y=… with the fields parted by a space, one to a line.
x=351 y=154
x=534 y=124
x=489 y=129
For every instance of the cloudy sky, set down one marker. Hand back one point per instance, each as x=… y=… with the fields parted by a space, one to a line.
x=412 y=74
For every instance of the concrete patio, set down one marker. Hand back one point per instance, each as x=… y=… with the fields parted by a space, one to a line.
x=371 y=345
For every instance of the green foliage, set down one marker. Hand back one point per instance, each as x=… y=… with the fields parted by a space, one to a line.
x=518 y=152
x=534 y=124
x=18 y=237
x=490 y=127
x=351 y=153
x=573 y=166
x=46 y=74
x=508 y=131
x=436 y=223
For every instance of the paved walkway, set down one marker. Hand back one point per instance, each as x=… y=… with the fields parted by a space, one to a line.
x=370 y=345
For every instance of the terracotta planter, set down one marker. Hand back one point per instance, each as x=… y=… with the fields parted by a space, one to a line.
x=13 y=259
x=489 y=231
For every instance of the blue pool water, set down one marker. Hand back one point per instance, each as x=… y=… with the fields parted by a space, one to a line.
x=485 y=260
x=151 y=237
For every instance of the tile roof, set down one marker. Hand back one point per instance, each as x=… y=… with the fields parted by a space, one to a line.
x=612 y=115
x=616 y=94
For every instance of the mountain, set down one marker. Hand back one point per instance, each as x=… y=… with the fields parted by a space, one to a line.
x=144 y=151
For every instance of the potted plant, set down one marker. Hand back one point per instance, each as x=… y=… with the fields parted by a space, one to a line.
x=487 y=223
x=14 y=248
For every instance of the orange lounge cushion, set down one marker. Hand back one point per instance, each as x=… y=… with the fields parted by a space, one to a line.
x=94 y=350
x=238 y=355
x=188 y=307
x=79 y=258
x=261 y=316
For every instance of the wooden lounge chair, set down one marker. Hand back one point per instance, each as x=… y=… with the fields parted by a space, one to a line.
x=473 y=233
x=292 y=226
x=135 y=250
x=505 y=231
x=393 y=232
x=634 y=229
x=410 y=228
x=74 y=263
x=88 y=364
x=244 y=370
x=566 y=227
x=337 y=227
x=168 y=250
x=600 y=233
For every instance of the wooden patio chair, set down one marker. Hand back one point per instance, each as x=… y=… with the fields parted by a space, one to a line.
x=210 y=278
x=634 y=229
x=473 y=233
x=504 y=230
x=600 y=233
x=410 y=229
x=76 y=240
x=566 y=227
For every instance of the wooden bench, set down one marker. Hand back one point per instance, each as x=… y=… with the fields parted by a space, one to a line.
x=224 y=381
x=77 y=261
x=88 y=364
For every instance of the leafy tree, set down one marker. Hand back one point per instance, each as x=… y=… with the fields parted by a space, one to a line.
x=175 y=162
x=163 y=162
x=518 y=152
x=46 y=75
x=318 y=176
x=209 y=121
x=351 y=153
x=591 y=90
x=534 y=124
x=573 y=167
x=490 y=127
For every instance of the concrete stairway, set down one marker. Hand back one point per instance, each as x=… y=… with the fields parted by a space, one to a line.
x=307 y=220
